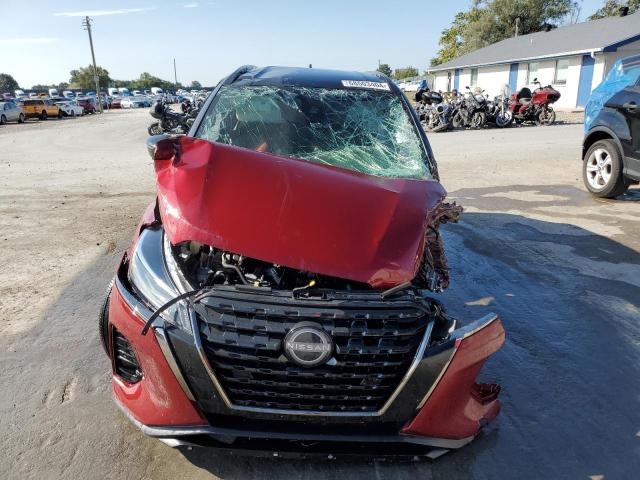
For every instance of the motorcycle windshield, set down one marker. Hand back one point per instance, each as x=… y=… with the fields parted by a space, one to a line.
x=625 y=72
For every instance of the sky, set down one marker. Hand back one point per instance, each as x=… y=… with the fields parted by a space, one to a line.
x=41 y=41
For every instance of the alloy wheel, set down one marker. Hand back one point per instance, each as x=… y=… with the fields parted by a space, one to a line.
x=599 y=169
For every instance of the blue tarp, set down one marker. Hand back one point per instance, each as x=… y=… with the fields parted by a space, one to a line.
x=624 y=72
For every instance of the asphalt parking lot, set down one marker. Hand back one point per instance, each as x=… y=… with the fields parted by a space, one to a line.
x=560 y=267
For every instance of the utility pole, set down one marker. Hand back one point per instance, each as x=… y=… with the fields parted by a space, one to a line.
x=86 y=23
x=175 y=74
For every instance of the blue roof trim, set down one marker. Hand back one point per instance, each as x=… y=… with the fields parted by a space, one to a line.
x=304 y=77
x=613 y=47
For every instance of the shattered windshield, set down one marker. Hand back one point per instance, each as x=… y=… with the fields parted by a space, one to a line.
x=362 y=130
x=625 y=72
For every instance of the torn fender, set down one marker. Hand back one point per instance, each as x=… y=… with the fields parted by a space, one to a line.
x=296 y=213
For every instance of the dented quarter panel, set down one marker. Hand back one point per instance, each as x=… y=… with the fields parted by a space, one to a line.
x=296 y=213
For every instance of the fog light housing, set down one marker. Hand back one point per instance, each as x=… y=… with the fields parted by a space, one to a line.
x=125 y=362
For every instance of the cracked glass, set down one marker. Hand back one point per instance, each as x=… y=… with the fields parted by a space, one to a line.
x=625 y=72
x=363 y=130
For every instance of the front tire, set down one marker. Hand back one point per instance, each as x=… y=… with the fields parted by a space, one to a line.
x=504 y=120
x=21 y=118
x=546 y=117
x=478 y=119
x=3 y=120
x=602 y=170
x=43 y=115
x=103 y=320
x=154 y=129
x=457 y=121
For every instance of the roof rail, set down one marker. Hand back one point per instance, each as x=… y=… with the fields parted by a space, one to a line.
x=239 y=71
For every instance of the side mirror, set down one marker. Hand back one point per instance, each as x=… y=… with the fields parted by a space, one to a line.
x=467 y=87
x=163 y=147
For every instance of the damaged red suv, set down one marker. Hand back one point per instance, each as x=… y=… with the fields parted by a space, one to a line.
x=277 y=295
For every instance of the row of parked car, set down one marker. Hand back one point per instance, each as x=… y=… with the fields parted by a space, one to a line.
x=20 y=109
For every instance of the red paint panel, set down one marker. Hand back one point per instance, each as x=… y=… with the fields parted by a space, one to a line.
x=453 y=410
x=296 y=213
x=158 y=399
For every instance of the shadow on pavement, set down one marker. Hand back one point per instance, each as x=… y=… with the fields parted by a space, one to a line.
x=631 y=195
x=570 y=367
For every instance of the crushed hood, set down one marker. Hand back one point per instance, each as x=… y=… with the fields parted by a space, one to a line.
x=296 y=213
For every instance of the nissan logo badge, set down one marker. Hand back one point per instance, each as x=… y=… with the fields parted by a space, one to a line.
x=308 y=345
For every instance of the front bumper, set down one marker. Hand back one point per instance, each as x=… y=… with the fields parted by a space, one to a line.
x=439 y=406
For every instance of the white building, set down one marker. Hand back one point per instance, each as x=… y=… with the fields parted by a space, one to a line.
x=573 y=59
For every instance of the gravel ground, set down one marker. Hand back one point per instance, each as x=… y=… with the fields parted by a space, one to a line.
x=560 y=267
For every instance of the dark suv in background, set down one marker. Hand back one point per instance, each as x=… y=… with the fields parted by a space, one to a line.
x=611 y=146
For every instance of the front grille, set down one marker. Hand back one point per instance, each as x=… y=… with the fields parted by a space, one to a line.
x=375 y=343
x=125 y=362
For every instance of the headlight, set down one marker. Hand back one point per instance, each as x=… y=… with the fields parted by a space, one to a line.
x=152 y=283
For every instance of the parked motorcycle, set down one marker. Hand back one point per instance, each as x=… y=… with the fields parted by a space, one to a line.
x=169 y=121
x=498 y=111
x=535 y=106
x=433 y=112
x=470 y=110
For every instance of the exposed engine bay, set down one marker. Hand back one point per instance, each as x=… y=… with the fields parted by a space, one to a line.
x=206 y=266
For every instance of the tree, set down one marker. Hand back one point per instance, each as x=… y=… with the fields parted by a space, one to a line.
x=611 y=8
x=196 y=85
x=83 y=78
x=490 y=21
x=384 y=68
x=452 y=39
x=63 y=86
x=146 y=81
x=406 y=72
x=40 y=87
x=7 y=83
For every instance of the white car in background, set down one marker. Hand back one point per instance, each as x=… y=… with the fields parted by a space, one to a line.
x=70 y=108
x=138 y=101
x=411 y=86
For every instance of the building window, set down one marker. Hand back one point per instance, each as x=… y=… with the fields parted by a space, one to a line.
x=532 y=72
x=562 y=68
x=474 y=77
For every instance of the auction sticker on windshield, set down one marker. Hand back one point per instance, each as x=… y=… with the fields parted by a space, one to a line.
x=365 y=84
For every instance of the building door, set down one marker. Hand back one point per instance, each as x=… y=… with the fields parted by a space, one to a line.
x=456 y=79
x=513 y=77
x=586 y=79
